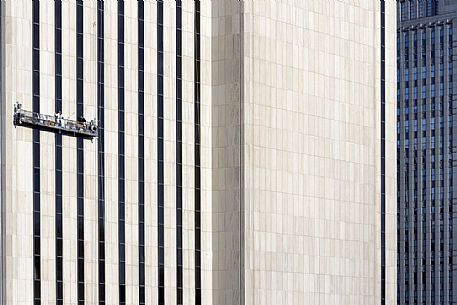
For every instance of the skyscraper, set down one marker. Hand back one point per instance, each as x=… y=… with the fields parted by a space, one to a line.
x=425 y=131
x=198 y=152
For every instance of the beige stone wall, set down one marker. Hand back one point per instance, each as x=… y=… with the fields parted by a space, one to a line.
x=221 y=37
x=391 y=152
x=289 y=112
x=312 y=152
x=18 y=143
x=18 y=148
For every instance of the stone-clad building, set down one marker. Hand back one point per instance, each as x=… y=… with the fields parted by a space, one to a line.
x=426 y=149
x=245 y=152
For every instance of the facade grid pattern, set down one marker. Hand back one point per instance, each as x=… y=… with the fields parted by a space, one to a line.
x=213 y=179
x=425 y=145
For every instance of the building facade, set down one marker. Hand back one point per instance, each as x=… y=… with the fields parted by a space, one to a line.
x=426 y=146
x=245 y=152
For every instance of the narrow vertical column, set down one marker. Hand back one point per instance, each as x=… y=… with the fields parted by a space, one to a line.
x=446 y=88
x=198 y=296
x=435 y=142
x=141 y=192
x=452 y=172
x=160 y=155
x=80 y=152
x=121 y=149
x=383 y=157
x=450 y=163
x=427 y=83
x=36 y=152
x=101 y=150
x=429 y=165
x=411 y=191
x=179 y=249
x=58 y=152
x=424 y=161
x=447 y=147
x=421 y=168
x=403 y=151
x=412 y=167
x=400 y=174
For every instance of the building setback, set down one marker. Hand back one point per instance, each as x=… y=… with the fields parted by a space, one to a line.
x=425 y=149
x=245 y=152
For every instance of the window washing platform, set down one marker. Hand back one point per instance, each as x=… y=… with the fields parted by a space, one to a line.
x=55 y=123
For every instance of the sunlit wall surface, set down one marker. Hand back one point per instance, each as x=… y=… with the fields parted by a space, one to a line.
x=245 y=152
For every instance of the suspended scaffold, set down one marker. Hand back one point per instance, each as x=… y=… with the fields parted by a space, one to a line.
x=55 y=123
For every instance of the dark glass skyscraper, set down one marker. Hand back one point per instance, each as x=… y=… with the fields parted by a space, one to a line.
x=425 y=106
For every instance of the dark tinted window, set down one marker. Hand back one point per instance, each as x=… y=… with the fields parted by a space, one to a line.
x=36 y=153
x=160 y=144
x=121 y=149
x=141 y=191
x=197 y=214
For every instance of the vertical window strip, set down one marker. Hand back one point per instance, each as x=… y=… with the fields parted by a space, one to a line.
x=197 y=212
x=383 y=158
x=435 y=153
x=451 y=130
x=400 y=186
x=80 y=152
x=58 y=152
x=179 y=253
x=416 y=192
x=160 y=155
x=36 y=153
x=121 y=149
x=141 y=192
x=423 y=282
x=101 y=150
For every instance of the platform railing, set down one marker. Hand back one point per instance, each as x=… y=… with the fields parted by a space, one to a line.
x=54 y=123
